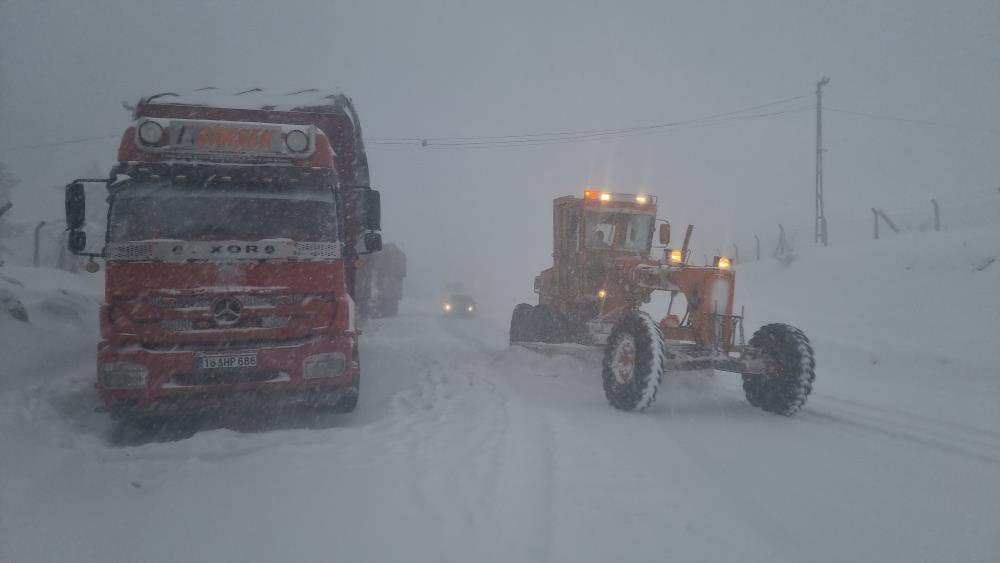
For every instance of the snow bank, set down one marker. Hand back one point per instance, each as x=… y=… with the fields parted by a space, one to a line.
x=894 y=318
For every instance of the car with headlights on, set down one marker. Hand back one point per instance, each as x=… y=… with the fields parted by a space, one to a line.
x=459 y=306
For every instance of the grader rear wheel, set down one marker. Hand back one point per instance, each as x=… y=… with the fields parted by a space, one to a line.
x=521 y=329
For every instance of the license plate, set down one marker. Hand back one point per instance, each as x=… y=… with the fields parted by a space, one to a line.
x=228 y=361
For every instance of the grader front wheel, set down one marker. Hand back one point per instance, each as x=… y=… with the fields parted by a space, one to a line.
x=789 y=355
x=633 y=362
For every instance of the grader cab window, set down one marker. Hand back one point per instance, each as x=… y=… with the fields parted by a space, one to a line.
x=619 y=231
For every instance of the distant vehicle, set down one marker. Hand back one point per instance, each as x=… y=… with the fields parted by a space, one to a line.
x=460 y=306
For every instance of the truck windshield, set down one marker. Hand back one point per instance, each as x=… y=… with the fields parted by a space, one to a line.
x=162 y=211
x=619 y=230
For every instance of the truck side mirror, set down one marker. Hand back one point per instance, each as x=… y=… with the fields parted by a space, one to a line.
x=373 y=210
x=373 y=242
x=76 y=207
x=664 y=233
x=77 y=241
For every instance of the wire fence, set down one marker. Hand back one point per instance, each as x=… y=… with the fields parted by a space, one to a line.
x=781 y=241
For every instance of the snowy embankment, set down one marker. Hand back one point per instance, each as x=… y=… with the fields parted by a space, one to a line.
x=463 y=449
x=896 y=318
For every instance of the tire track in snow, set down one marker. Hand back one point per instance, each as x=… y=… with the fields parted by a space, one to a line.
x=511 y=512
x=854 y=417
x=921 y=421
x=447 y=427
x=905 y=433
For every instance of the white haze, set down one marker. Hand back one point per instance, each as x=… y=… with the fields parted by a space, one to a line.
x=434 y=69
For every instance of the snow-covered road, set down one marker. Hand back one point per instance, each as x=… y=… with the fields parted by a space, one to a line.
x=463 y=449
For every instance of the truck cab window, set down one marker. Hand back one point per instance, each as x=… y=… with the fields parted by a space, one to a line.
x=151 y=212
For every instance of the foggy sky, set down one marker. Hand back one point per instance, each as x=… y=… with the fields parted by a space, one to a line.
x=433 y=69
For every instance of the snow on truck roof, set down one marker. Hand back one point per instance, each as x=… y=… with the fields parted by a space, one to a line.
x=342 y=127
x=309 y=100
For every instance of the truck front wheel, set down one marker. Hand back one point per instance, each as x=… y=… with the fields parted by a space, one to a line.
x=349 y=394
x=633 y=362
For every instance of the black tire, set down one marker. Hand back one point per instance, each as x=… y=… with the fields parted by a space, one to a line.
x=349 y=400
x=789 y=356
x=520 y=324
x=549 y=325
x=633 y=362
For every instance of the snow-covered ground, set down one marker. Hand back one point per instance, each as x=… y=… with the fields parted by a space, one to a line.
x=463 y=449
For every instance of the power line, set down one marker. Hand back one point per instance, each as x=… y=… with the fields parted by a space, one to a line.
x=562 y=137
x=916 y=121
x=603 y=136
x=58 y=143
x=575 y=134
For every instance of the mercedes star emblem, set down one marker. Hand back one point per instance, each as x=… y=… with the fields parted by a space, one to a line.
x=227 y=311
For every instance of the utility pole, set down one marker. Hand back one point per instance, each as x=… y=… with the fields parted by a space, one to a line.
x=820 y=216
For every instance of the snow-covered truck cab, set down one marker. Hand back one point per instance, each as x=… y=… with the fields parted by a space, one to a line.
x=228 y=266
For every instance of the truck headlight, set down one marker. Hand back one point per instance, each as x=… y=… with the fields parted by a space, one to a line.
x=297 y=141
x=722 y=263
x=324 y=365
x=121 y=375
x=676 y=256
x=150 y=133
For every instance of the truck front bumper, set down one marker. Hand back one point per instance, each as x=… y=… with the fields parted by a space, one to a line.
x=135 y=380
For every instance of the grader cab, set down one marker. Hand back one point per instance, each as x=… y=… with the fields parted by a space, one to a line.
x=602 y=276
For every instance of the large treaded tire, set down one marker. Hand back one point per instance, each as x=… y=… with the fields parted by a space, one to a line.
x=520 y=324
x=549 y=325
x=633 y=389
x=790 y=357
x=349 y=401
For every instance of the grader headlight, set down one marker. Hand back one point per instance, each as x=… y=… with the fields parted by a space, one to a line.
x=722 y=263
x=601 y=293
x=676 y=256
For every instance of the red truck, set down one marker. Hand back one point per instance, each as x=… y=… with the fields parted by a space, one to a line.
x=235 y=226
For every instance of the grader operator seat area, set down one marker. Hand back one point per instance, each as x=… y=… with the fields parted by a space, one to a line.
x=619 y=230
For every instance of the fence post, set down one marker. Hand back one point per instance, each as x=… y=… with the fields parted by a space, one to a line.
x=937 y=214
x=875 y=215
x=736 y=254
x=37 y=228
x=757 y=238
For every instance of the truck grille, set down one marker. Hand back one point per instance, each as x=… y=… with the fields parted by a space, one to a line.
x=226 y=377
x=217 y=346
x=190 y=325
